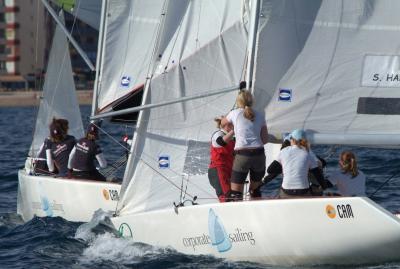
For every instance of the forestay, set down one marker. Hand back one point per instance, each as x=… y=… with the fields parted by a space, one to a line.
x=59 y=98
x=206 y=52
x=337 y=63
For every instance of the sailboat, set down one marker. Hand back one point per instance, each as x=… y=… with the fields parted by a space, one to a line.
x=317 y=65
x=51 y=196
x=322 y=66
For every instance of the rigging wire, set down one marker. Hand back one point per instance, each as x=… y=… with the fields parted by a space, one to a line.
x=110 y=136
x=384 y=183
x=330 y=152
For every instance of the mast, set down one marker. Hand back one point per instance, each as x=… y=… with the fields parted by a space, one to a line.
x=255 y=11
x=100 y=55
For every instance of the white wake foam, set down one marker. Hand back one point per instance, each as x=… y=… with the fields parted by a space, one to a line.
x=104 y=244
x=108 y=247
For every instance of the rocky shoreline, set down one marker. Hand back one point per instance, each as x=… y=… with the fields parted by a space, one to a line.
x=31 y=98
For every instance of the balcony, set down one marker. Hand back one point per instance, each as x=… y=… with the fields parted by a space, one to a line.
x=14 y=25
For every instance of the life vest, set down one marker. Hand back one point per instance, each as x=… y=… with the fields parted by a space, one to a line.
x=223 y=155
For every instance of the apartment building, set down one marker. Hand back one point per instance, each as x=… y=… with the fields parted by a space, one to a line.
x=24 y=42
x=26 y=30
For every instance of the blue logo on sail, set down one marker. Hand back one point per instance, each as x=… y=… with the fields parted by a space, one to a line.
x=285 y=95
x=125 y=81
x=163 y=161
x=218 y=235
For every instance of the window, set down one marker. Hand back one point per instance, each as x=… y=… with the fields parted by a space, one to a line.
x=1 y=17
x=10 y=17
x=10 y=34
x=2 y=49
x=10 y=3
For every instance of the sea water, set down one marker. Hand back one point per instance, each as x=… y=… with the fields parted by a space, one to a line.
x=57 y=243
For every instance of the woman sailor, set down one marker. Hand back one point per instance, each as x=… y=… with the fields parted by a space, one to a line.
x=349 y=180
x=297 y=162
x=83 y=155
x=275 y=169
x=221 y=152
x=58 y=147
x=251 y=134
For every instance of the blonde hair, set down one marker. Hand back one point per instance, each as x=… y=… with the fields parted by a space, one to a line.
x=245 y=100
x=348 y=163
x=302 y=143
x=218 y=121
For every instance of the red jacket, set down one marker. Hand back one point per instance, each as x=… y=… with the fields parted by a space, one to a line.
x=221 y=155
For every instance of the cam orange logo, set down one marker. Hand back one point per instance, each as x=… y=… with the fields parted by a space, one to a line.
x=106 y=194
x=330 y=211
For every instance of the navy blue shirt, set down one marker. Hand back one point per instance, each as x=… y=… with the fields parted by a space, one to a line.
x=85 y=154
x=60 y=152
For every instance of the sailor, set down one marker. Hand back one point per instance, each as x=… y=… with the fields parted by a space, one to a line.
x=297 y=162
x=40 y=161
x=251 y=134
x=349 y=180
x=58 y=147
x=275 y=169
x=83 y=155
x=221 y=152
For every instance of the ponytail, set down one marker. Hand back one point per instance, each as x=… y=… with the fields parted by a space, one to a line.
x=302 y=143
x=348 y=163
x=249 y=113
x=218 y=121
x=245 y=101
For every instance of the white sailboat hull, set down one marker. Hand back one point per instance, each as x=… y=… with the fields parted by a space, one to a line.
x=71 y=199
x=278 y=232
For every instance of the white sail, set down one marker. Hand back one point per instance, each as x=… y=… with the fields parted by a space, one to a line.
x=331 y=68
x=205 y=53
x=59 y=98
x=130 y=34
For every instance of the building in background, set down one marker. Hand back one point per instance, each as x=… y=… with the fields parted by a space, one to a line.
x=24 y=43
x=26 y=30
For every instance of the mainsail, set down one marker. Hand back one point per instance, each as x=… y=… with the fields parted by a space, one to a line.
x=130 y=29
x=336 y=71
x=59 y=97
x=205 y=51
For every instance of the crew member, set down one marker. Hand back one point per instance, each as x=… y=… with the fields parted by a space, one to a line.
x=58 y=148
x=251 y=134
x=221 y=151
x=83 y=155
